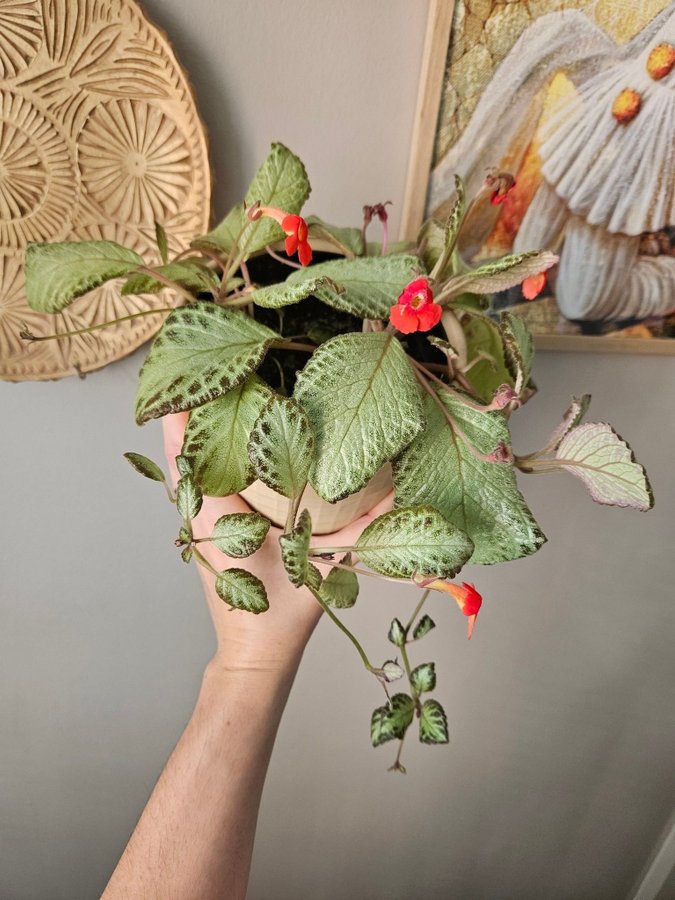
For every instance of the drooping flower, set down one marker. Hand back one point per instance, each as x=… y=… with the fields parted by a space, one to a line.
x=415 y=309
x=502 y=183
x=534 y=285
x=467 y=597
x=293 y=226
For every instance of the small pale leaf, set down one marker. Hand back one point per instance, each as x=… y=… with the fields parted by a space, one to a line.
x=362 y=398
x=396 y=633
x=597 y=455
x=242 y=590
x=281 y=446
x=417 y=541
x=200 y=353
x=188 y=498
x=433 y=723
x=572 y=417
x=295 y=549
x=184 y=465
x=240 y=534
x=340 y=588
x=58 y=273
x=518 y=349
x=145 y=466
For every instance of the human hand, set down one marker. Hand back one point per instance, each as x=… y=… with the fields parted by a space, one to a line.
x=277 y=637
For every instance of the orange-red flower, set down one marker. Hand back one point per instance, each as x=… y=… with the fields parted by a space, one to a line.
x=415 y=309
x=534 y=285
x=294 y=227
x=467 y=597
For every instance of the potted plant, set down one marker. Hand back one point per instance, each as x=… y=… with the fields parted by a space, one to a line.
x=316 y=386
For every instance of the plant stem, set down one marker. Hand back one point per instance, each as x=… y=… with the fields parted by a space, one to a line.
x=416 y=611
x=286 y=262
x=293 y=506
x=331 y=615
x=167 y=282
x=292 y=345
x=317 y=557
x=27 y=336
x=203 y=561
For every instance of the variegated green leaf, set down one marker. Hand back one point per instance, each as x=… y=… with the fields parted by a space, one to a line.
x=362 y=398
x=274 y=296
x=145 y=466
x=58 y=273
x=217 y=435
x=348 y=240
x=200 y=353
x=504 y=273
x=424 y=626
x=418 y=541
x=423 y=677
x=281 y=447
x=190 y=274
x=439 y=469
x=242 y=590
x=396 y=633
x=391 y=722
x=518 y=349
x=240 y=534
x=188 y=498
x=433 y=723
x=367 y=287
x=294 y=553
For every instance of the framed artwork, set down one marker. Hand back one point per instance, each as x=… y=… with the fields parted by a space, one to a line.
x=576 y=99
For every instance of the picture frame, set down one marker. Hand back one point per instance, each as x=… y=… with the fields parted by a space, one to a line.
x=436 y=61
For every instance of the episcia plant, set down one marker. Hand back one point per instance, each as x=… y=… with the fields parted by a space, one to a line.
x=318 y=375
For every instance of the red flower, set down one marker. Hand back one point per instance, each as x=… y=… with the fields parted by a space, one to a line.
x=534 y=285
x=467 y=597
x=296 y=240
x=416 y=310
x=294 y=227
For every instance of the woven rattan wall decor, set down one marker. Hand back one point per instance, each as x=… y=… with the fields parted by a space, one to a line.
x=99 y=139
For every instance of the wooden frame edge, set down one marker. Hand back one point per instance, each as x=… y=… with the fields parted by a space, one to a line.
x=436 y=41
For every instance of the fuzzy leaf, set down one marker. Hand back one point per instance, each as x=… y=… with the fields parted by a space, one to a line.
x=185 y=465
x=281 y=447
x=433 y=723
x=423 y=677
x=391 y=722
x=200 y=353
x=242 y=590
x=483 y=335
x=274 y=296
x=294 y=551
x=58 y=273
x=145 y=466
x=406 y=542
x=504 y=273
x=424 y=626
x=281 y=181
x=191 y=275
x=367 y=287
x=240 y=534
x=518 y=349
x=481 y=498
x=396 y=633
x=363 y=400
x=346 y=239
x=340 y=588
x=217 y=435
x=606 y=464
x=188 y=498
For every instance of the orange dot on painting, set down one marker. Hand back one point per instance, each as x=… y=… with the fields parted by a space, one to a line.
x=626 y=106
x=661 y=61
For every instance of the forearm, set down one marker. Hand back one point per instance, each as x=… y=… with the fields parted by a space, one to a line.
x=195 y=837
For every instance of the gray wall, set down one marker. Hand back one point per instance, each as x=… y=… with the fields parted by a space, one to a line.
x=559 y=777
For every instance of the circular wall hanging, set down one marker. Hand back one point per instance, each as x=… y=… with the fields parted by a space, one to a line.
x=99 y=139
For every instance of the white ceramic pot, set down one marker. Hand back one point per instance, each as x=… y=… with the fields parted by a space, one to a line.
x=326 y=517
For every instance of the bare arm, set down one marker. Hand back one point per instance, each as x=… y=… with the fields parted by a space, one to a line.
x=195 y=836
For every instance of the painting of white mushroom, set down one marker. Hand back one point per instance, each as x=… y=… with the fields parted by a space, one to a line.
x=577 y=102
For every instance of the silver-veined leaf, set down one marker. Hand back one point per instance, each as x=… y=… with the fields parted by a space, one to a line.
x=281 y=446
